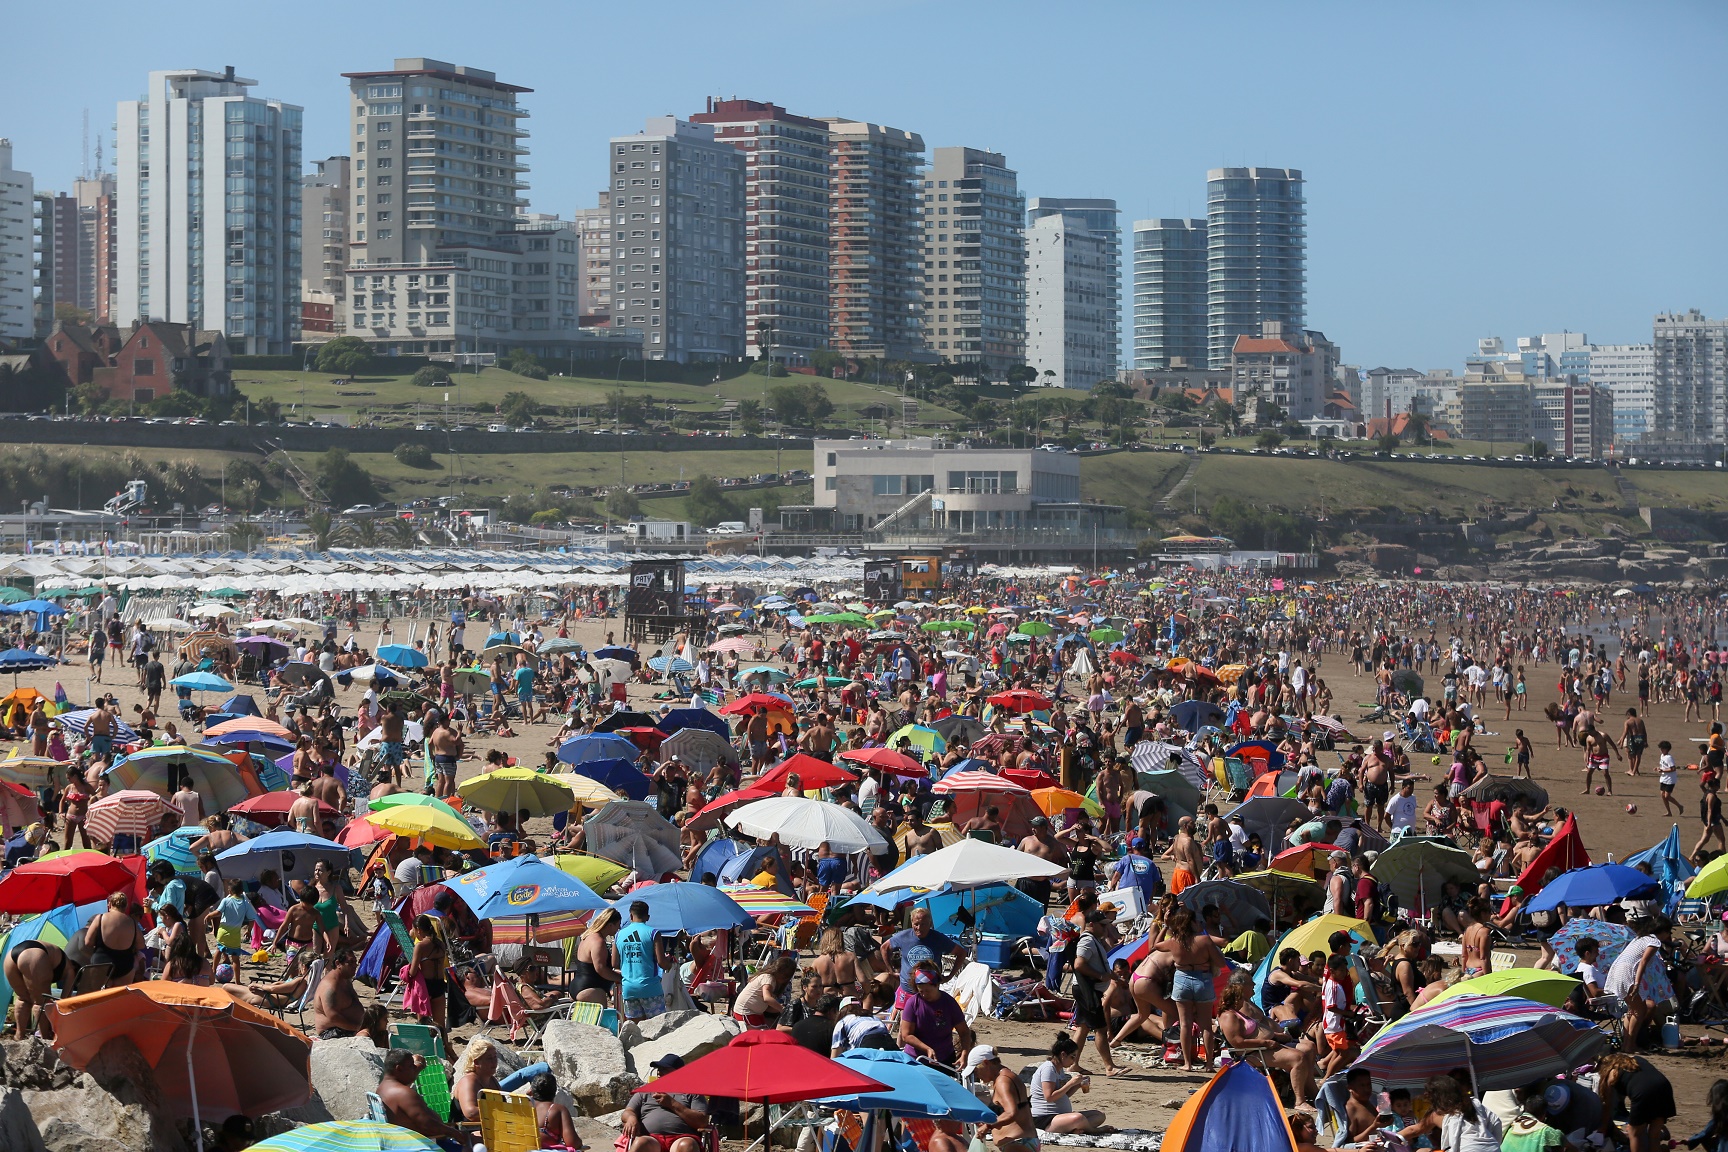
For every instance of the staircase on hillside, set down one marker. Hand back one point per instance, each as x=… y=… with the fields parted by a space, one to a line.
x=309 y=490
x=1168 y=503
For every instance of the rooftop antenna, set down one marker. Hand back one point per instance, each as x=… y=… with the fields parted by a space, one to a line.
x=84 y=149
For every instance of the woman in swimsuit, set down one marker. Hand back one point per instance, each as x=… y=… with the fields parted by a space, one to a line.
x=1013 y=1129
x=557 y=1130
x=1247 y=1029
x=1150 y=987
x=32 y=969
x=595 y=970
x=431 y=958
x=1191 y=987
x=114 y=939
x=332 y=905
x=836 y=966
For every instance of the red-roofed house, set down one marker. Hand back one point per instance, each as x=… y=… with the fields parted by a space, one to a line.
x=1292 y=370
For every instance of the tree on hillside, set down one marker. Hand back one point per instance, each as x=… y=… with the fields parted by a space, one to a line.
x=344 y=481
x=622 y=504
x=345 y=355
x=431 y=376
x=708 y=503
x=627 y=410
x=804 y=403
x=319 y=525
x=1269 y=439
x=525 y=363
x=518 y=409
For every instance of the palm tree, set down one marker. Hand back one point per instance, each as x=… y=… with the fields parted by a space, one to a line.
x=321 y=527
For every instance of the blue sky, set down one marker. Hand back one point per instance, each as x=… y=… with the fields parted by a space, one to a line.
x=1473 y=168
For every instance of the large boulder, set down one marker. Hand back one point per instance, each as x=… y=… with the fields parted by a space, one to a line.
x=695 y=1037
x=589 y=1063
x=634 y=1032
x=18 y=1130
x=31 y=1063
x=343 y=1072
x=85 y=1118
x=123 y=1073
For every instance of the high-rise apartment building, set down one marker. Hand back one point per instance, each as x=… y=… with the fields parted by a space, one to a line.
x=876 y=264
x=594 y=227
x=81 y=248
x=1071 y=301
x=1169 y=294
x=208 y=216
x=50 y=278
x=974 y=259
x=1256 y=254
x=17 y=229
x=324 y=194
x=1628 y=371
x=1102 y=218
x=1691 y=379
x=678 y=240
x=786 y=219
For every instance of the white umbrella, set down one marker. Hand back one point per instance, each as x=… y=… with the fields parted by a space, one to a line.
x=632 y=833
x=967 y=864
x=212 y=611
x=167 y=624
x=802 y=823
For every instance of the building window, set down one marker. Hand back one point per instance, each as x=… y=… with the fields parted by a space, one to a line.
x=828 y=483
x=142 y=367
x=887 y=485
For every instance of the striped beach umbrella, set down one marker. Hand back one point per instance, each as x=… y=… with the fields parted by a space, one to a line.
x=766 y=903
x=1505 y=1041
x=348 y=1136
x=130 y=812
x=176 y=849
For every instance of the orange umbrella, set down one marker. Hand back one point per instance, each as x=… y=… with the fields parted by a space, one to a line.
x=249 y=724
x=211 y=1053
x=1055 y=801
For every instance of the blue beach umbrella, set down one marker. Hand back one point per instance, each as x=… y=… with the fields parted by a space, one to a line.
x=524 y=886
x=686 y=907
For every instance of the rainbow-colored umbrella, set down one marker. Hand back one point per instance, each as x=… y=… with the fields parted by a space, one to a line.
x=1505 y=1041
x=766 y=903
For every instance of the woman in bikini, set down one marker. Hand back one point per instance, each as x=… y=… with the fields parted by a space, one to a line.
x=1197 y=957
x=114 y=939
x=1247 y=1029
x=1150 y=987
x=836 y=966
x=431 y=958
x=1013 y=1129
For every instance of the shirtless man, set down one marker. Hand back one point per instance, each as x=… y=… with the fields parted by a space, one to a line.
x=327 y=788
x=100 y=728
x=1634 y=737
x=1046 y=847
x=384 y=787
x=988 y=821
x=818 y=738
x=921 y=839
x=403 y=1105
x=1185 y=853
x=1376 y=784
x=446 y=744
x=217 y=839
x=1597 y=745
x=390 y=750
x=336 y=1010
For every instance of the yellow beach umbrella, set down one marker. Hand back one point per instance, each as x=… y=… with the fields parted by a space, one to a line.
x=426 y=826
x=585 y=791
x=513 y=790
x=1550 y=988
x=597 y=872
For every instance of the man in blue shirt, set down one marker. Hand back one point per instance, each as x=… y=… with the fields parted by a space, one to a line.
x=638 y=967
x=919 y=942
x=831 y=870
x=1137 y=870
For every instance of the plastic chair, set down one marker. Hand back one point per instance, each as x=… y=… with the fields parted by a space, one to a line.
x=600 y=1016
x=375 y=1108
x=507 y=1123
x=420 y=1039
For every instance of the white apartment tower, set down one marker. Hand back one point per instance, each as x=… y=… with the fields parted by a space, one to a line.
x=677 y=200
x=1628 y=371
x=786 y=213
x=208 y=217
x=1071 y=302
x=1691 y=386
x=17 y=275
x=974 y=259
x=324 y=195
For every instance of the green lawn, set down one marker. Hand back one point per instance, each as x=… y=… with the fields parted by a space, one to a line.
x=473 y=397
x=1704 y=491
x=1131 y=479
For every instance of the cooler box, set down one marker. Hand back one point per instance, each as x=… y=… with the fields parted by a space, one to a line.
x=996 y=951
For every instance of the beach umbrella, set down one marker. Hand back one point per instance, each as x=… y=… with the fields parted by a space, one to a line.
x=18 y=661
x=1508 y=789
x=680 y=719
x=1238 y=904
x=584 y=790
x=597 y=872
x=299 y=673
x=966 y=864
x=1104 y=635
x=1054 y=801
x=176 y=850
x=1033 y=628
x=920 y=736
x=697 y=747
x=271 y=808
x=914 y=1089
x=130 y=812
x=948 y=626
x=359 y=834
x=348 y=1136
x=685 y=907
x=524 y=886
x=1020 y=700
x=887 y=760
x=559 y=645
x=822 y=682
x=414 y=800
x=811 y=772
x=766 y=1067
x=33 y=771
x=1178 y=792
x=634 y=834
x=266 y=648
x=68 y=878
x=426 y=826
x=215 y=778
x=376 y=675
x=616 y=652
x=1406 y=680
x=596 y=746
x=470 y=682
x=711 y=813
x=1505 y=1042
x=1610 y=937
x=766 y=903
x=1593 y=887
x=732 y=644
x=292 y=854
x=1550 y=988
x=670 y=665
x=958 y=729
x=1418 y=867
x=494 y=651
x=1303 y=894
x=625 y=718
x=1192 y=715
x=211 y=1053
x=77 y=721
x=1269 y=816
x=809 y=824
x=402 y=656
x=211 y=611
x=1667 y=858
x=620 y=776
x=514 y=789
x=1237 y=1109
x=201 y=682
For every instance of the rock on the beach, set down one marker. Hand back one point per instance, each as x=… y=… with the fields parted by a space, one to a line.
x=123 y=1074
x=343 y=1072
x=697 y=1036
x=633 y=1032
x=85 y=1118
x=589 y=1063
x=31 y=1063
